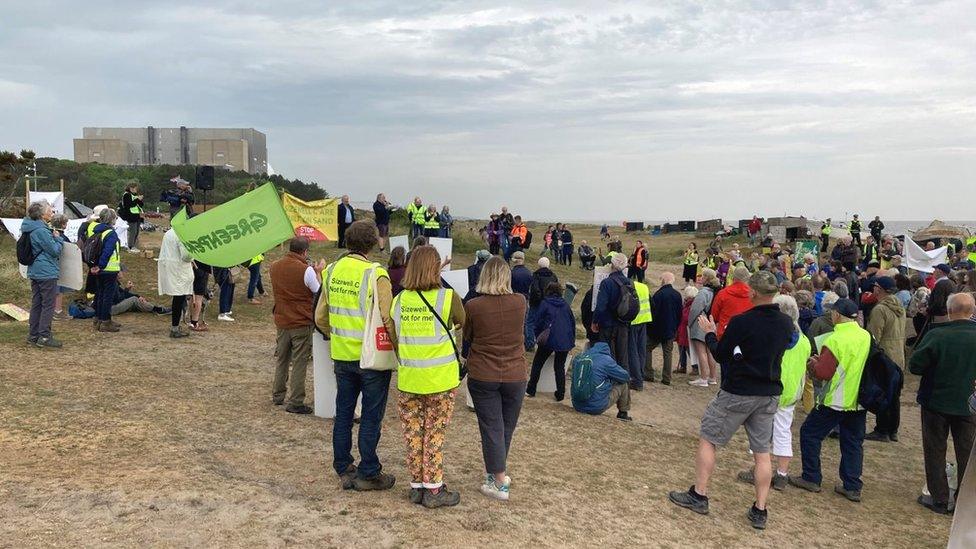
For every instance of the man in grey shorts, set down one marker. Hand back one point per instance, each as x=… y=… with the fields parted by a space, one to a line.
x=750 y=353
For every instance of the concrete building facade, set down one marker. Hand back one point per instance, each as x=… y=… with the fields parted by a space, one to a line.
x=230 y=148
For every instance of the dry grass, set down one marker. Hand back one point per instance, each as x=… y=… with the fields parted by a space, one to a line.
x=134 y=439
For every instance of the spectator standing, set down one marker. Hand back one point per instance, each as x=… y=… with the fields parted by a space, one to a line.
x=688 y=295
x=937 y=313
x=566 y=237
x=224 y=277
x=496 y=369
x=131 y=212
x=107 y=270
x=416 y=213
x=295 y=284
x=428 y=375
x=541 y=279
x=381 y=211
x=43 y=272
x=346 y=216
x=637 y=337
x=446 y=221
x=255 y=286
x=175 y=278
x=732 y=300
x=613 y=331
x=690 y=272
x=702 y=306
x=751 y=354
x=474 y=270
x=876 y=227
x=887 y=326
x=341 y=314
x=555 y=328
x=666 y=306
x=638 y=262
x=944 y=359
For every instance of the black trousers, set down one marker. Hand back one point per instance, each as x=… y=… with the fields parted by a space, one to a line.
x=179 y=303
x=342 y=234
x=936 y=428
x=497 y=406
x=887 y=422
x=558 y=367
x=635 y=273
x=617 y=337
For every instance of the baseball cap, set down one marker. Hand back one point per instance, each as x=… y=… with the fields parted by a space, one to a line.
x=886 y=283
x=944 y=268
x=846 y=308
x=764 y=283
x=519 y=255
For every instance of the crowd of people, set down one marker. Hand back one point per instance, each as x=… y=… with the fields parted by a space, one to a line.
x=776 y=331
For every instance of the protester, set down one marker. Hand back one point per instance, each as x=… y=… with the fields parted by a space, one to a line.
x=428 y=375
x=842 y=360
x=507 y=222
x=805 y=303
x=396 y=268
x=474 y=270
x=255 y=287
x=731 y=300
x=495 y=234
x=341 y=316
x=126 y=301
x=754 y=227
x=541 y=279
x=416 y=214
x=937 y=313
x=886 y=324
x=432 y=224
x=667 y=308
x=496 y=369
x=751 y=352
x=201 y=294
x=707 y=366
x=587 y=256
x=944 y=359
x=566 y=243
x=604 y=383
x=613 y=330
x=518 y=237
x=345 y=217
x=638 y=262
x=43 y=272
x=381 y=211
x=446 y=221
x=225 y=280
x=106 y=270
x=130 y=211
x=688 y=295
x=637 y=358
x=178 y=198
x=175 y=278
x=555 y=330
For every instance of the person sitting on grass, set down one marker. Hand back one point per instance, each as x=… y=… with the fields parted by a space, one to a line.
x=602 y=385
x=126 y=301
x=750 y=352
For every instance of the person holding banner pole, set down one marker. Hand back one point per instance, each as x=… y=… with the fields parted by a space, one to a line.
x=341 y=318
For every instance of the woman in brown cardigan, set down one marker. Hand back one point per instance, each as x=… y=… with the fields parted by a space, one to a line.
x=497 y=371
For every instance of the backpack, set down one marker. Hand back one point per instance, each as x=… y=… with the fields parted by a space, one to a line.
x=629 y=304
x=25 y=252
x=537 y=290
x=582 y=386
x=92 y=250
x=528 y=240
x=881 y=381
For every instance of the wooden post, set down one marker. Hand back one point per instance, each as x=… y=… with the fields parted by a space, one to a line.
x=26 y=193
x=62 y=186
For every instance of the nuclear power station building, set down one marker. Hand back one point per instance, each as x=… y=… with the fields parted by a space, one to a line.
x=230 y=148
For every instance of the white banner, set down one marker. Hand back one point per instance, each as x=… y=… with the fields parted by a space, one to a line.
x=458 y=280
x=121 y=229
x=55 y=199
x=921 y=260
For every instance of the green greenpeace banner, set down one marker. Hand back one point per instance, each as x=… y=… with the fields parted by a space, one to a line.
x=235 y=231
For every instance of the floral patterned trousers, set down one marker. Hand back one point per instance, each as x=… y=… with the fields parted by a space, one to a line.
x=425 y=419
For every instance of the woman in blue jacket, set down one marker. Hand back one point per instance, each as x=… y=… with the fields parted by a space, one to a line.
x=43 y=272
x=556 y=316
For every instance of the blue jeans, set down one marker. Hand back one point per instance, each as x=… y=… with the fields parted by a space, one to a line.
x=815 y=429
x=108 y=284
x=254 y=282
x=529 y=328
x=352 y=380
x=637 y=353
x=226 y=294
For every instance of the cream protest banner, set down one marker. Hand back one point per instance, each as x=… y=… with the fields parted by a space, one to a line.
x=315 y=220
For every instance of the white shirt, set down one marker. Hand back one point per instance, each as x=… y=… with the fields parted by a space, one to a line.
x=348 y=213
x=312 y=280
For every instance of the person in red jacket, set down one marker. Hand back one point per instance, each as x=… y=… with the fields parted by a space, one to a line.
x=732 y=300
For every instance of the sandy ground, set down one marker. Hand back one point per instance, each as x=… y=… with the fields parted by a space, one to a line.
x=133 y=439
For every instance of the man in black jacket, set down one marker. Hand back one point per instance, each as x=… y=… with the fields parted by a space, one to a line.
x=750 y=353
x=381 y=211
x=666 y=307
x=346 y=217
x=541 y=279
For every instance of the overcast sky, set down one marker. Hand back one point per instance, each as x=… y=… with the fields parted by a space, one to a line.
x=576 y=110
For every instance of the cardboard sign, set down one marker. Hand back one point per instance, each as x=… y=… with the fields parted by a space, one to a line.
x=402 y=241
x=14 y=312
x=72 y=273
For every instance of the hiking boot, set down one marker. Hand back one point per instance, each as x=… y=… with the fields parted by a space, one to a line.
x=666 y=382
x=348 y=477
x=382 y=481
x=416 y=495
x=690 y=500
x=757 y=517
x=108 y=326
x=636 y=387
x=807 y=485
x=442 y=498
x=558 y=397
x=748 y=476
x=780 y=481
x=277 y=402
x=161 y=311
x=939 y=508
x=624 y=416
x=96 y=324
x=851 y=495
x=31 y=340
x=177 y=333
x=300 y=409
x=893 y=437
x=48 y=342
x=875 y=436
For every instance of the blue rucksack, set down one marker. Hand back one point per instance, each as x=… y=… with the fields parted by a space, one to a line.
x=881 y=382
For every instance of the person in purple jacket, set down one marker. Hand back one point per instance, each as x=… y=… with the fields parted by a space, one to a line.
x=555 y=317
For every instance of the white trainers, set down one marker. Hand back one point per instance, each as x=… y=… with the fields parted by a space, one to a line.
x=134 y=250
x=491 y=489
x=225 y=317
x=712 y=382
x=699 y=382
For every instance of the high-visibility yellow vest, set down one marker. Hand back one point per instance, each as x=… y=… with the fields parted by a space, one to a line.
x=644 y=299
x=427 y=361
x=134 y=209
x=870 y=253
x=114 y=264
x=691 y=258
x=431 y=223
x=91 y=229
x=793 y=369
x=970 y=242
x=825 y=230
x=416 y=213
x=850 y=344
x=350 y=297
x=257 y=259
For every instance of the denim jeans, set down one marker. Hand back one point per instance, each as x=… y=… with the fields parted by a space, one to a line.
x=637 y=354
x=254 y=281
x=351 y=380
x=819 y=423
x=529 y=327
x=226 y=294
x=108 y=284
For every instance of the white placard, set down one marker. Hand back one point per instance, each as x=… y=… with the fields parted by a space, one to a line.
x=72 y=275
x=547 y=379
x=402 y=241
x=458 y=280
x=324 y=379
x=55 y=199
x=444 y=247
x=12 y=224
x=599 y=275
